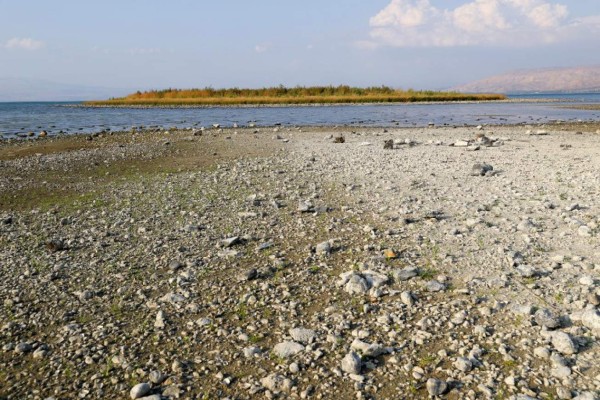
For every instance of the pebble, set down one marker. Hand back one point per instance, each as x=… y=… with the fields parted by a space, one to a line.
x=436 y=387
x=23 y=348
x=434 y=286
x=407 y=298
x=160 y=320
x=463 y=364
x=303 y=335
x=323 y=248
x=287 y=349
x=546 y=318
x=277 y=383
x=352 y=363
x=139 y=390
x=563 y=343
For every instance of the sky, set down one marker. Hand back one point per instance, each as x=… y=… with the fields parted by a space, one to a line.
x=419 y=44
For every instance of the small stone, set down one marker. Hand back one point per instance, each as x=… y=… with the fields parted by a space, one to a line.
x=434 y=286
x=459 y=317
x=251 y=274
x=463 y=364
x=563 y=343
x=563 y=393
x=323 y=248
x=172 y=392
x=407 y=298
x=302 y=335
x=572 y=207
x=139 y=390
x=23 y=348
x=586 y=280
x=230 y=241
x=405 y=274
x=561 y=371
x=151 y=397
x=546 y=318
x=55 y=245
x=175 y=265
x=277 y=383
x=591 y=319
x=481 y=169
x=40 y=353
x=526 y=271
x=250 y=352
x=352 y=363
x=356 y=285
x=436 y=387
x=160 y=320
x=287 y=349
x=366 y=349
x=294 y=368
x=157 y=378
x=542 y=352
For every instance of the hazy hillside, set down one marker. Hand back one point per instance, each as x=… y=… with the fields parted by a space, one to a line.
x=13 y=89
x=577 y=79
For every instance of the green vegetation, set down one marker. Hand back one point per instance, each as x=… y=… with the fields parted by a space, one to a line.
x=428 y=273
x=283 y=95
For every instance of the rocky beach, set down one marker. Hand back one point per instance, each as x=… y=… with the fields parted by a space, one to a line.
x=304 y=262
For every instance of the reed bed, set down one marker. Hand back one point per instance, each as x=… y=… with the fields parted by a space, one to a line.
x=297 y=95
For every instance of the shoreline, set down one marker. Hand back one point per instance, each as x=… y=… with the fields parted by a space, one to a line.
x=561 y=125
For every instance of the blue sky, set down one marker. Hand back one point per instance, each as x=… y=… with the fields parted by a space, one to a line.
x=421 y=44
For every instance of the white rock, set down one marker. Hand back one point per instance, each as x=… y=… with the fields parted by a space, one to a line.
x=591 y=319
x=287 y=349
x=366 y=349
x=303 y=335
x=436 y=387
x=323 y=248
x=160 y=320
x=352 y=363
x=139 y=390
x=407 y=298
x=276 y=383
x=563 y=343
x=356 y=285
x=463 y=364
x=459 y=317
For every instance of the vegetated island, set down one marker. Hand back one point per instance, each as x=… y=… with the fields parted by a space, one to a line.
x=281 y=95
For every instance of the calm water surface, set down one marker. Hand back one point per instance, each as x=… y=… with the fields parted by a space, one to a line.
x=20 y=118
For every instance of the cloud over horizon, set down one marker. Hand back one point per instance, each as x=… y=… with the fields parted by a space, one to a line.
x=418 y=23
x=23 y=43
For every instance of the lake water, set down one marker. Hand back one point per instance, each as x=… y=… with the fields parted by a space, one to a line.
x=20 y=118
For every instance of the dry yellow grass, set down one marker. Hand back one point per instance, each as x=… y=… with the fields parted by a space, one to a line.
x=282 y=95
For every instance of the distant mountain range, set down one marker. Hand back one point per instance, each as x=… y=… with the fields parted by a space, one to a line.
x=574 y=79
x=19 y=89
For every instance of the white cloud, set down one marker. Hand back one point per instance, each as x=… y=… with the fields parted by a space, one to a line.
x=23 y=43
x=418 y=23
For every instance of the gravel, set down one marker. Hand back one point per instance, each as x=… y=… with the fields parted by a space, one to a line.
x=310 y=269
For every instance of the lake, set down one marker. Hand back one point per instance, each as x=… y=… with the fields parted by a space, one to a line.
x=20 y=118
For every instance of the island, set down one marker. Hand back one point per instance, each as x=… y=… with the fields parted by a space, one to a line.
x=281 y=95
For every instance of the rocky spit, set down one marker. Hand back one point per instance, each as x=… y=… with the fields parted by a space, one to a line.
x=459 y=263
